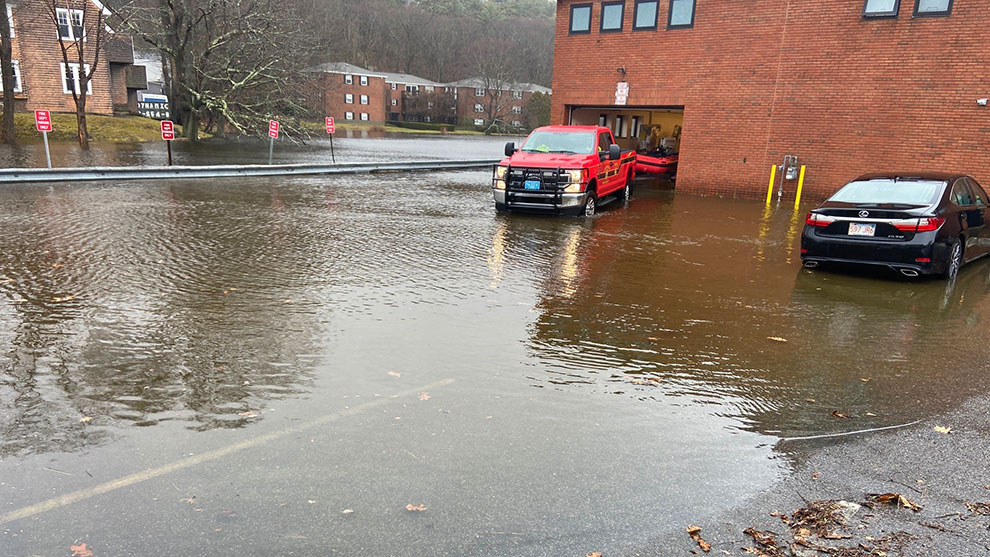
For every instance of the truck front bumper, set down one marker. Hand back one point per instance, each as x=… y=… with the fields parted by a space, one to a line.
x=538 y=201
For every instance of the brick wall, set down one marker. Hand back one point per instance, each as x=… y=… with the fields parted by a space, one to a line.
x=333 y=91
x=36 y=48
x=466 y=100
x=759 y=79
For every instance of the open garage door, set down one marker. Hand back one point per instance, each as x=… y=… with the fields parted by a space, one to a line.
x=649 y=130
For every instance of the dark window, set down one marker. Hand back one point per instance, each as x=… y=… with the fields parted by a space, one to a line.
x=960 y=194
x=681 y=14
x=580 y=19
x=880 y=8
x=979 y=195
x=603 y=143
x=612 y=13
x=932 y=7
x=603 y=120
x=620 y=126
x=645 y=14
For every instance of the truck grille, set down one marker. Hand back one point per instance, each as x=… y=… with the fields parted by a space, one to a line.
x=545 y=187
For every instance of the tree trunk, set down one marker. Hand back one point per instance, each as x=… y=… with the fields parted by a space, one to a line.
x=190 y=123
x=7 y=133
x=81 y=122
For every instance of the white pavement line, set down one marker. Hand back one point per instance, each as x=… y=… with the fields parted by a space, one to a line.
x=151 y=473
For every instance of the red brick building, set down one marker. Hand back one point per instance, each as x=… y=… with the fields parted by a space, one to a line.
x=44 y=81
x=847 y=86
x=349 y=92
x=479 y=101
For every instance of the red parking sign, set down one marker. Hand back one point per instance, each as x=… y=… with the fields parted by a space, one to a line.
x=168 y=130
x=43 y=120
x=330 y=127
x=273 y=128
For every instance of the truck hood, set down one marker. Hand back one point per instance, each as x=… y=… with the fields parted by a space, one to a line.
x=549 y=160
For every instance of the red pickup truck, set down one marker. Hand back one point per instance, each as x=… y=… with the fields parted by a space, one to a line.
x=563 y=169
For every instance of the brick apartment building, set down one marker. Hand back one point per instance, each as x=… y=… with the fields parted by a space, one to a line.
x=44 y=81
x=349 y=92
x=847 y=86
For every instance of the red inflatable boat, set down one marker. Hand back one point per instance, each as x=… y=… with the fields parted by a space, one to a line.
x=665 y=164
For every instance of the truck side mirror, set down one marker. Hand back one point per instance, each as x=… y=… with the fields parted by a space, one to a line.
x=510 y=148
x=614 y=152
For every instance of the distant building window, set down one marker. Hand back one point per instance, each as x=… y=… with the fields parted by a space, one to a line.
x=348 y=79
x=645 y=16
x=364 y=80
x=428 y=89
x=517 y=123
x=479 y=108
x=517 y=94
x=70 y=78
x=580 y=19
x=479 y=121
x=412 y=88
x=395 y=86
x=70 y=24
x=681 y=13
x=395 y=102
x=932 y=7
x=10 y=20
x=426 y=118
x=348 y=116
x=364 y=116
x=517 y=110
x=17 y=77
x=612 y=16
x=880 y=8
x=364 y=99
x=348 y=98
x=479 y=91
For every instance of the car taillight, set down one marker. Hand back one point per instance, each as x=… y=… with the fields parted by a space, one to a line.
x=815 y=219
x=926 y=224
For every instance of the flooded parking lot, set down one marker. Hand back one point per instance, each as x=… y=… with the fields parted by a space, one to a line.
x=283 y=365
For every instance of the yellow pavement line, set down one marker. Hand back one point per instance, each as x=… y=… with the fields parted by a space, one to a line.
x=151 y=473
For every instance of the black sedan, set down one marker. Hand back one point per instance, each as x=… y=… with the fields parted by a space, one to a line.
x=916 y=224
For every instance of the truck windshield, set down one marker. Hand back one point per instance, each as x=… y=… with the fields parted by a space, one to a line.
x=560 y=142
x=883 y=191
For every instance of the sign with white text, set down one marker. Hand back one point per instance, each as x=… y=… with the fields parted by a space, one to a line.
x=273 y=129
x=330 y=128
x=43 y=120
x=168 y=130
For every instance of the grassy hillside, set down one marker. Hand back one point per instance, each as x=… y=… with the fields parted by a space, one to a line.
x=101 y=128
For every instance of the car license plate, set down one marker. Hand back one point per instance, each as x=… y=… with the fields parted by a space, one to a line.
x=857 y=229
x=531 y=184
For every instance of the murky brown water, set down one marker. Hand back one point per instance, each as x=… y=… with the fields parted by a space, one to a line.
x=139 y=319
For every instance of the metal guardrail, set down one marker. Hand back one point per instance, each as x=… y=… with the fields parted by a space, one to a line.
x=81 y=174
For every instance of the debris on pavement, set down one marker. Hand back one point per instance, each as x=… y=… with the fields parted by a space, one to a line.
x=893 y=499
x=695 y=533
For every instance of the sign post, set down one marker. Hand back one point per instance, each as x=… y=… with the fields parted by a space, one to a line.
x=330 y=130
x=272 y=133
x=168 y=134
x=43 y=122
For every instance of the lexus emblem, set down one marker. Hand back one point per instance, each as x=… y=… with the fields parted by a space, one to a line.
x=864 y=214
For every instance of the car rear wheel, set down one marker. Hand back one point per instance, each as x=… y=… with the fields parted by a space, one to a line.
x=590 y=205
x=954 y=261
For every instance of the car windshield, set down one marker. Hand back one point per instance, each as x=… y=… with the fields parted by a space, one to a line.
x=885 y=191
x=560 y=142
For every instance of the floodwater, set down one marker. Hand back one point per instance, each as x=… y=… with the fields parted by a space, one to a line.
x=281 y=366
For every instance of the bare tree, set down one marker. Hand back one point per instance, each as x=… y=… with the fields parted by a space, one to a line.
x=7 y=133
x=81 y=28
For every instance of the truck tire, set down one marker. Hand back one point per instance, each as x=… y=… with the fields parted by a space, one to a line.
x=590 y=205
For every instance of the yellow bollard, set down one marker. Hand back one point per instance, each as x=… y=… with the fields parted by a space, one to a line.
x=773 y=174
x=797 y=200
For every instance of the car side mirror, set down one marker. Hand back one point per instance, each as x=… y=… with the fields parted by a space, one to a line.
x=614 y=152
x=510 y=148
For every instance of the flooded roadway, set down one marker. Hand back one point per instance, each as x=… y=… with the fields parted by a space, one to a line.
x=283 y=365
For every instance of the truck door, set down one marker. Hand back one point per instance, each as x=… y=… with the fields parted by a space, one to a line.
x=607 y=170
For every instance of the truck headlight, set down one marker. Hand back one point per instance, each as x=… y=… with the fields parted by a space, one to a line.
x=574 y=188
x=575 y=176
x=500 y=184
x=500 y=173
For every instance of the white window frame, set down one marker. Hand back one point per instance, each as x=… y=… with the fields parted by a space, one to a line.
x=59 y=12
x=10 y=19
x=17 y=78
x=517 y=94
x=479 y=107
x=363 y=79
x=517 y=123
x=364 y=116
x=395 y=102
x=348 y=116
x=348 y=98
x=517 y=110
x=75 y=75
x=348 y=79
x=479 y=91
x=364 y=99
x=479 y=121
x=395 y=86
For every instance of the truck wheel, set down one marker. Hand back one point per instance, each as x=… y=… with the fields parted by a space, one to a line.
x=590 y=204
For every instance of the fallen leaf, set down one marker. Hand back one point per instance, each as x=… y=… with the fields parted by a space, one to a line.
x=311 y=502
x=870 y=414
x=424 y=396
x=65 y=298
x=190 y=499
x=80 y=550
x=695 y=533
x=894 y=499
x=810 y=400
x=941 y=429
x=836 y=414
x=394 y=373
x=777 y=339
x=85 y=419
x=417 y=508
x=864 y=379
x=595 y=554
x=346 y=511
x=248 y=414
x=978 y=508
x=814 y=476
x=288 y=300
